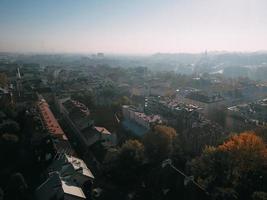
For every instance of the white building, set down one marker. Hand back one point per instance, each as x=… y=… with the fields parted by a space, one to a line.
x=68 y=178
x=71 y=167
x=131 y=114
x=56 y=188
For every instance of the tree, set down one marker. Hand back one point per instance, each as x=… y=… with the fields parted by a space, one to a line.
x=122 y=100
x=262 y=132
x=159 y=143
x=124 y=166
x=224 y=193
x=9 y=126
x=8 y=140
x=259 y=196
x=9 y=145
x=178 y=156
x=240 y=164
x=220 y=118
x=131 y=153
x=16 y=188
x=3 y=80
x=107 y=90
x=1 y=194
x=87 y=98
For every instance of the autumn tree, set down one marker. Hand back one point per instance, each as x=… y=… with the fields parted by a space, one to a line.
x=159 y=143
x=239 y=165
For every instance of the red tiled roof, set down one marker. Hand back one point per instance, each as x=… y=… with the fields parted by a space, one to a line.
x=49 y=120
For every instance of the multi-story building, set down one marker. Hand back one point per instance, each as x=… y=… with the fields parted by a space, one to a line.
x=254 y=112
x=49 y=121
x=73 y=167
x=76 y=117
x=173 y=111
x=132 y=117
x=55 y=187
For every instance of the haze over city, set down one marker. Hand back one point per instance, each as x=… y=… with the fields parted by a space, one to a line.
x=133 y=99
x=132 y=27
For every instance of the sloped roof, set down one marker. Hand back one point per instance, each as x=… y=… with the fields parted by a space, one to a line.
x=55 y=187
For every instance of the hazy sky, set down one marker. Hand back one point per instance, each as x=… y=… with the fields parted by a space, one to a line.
x=132 y=26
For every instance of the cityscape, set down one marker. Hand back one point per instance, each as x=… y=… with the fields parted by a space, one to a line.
x=108 y=100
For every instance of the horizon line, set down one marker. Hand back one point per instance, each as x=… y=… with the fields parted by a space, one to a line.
x=125 y=53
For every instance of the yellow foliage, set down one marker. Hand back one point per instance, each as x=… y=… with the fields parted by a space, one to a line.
x=168 y=131
x=132 y=144
x=244 y=141
x=247 y=149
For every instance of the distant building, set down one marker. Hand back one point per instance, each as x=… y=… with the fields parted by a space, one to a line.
x=161 y=89
x=184 y=91
x=202 y=133
x=6 y=97
x=139 y=91
x=173 y=111
x=138 y=122
x=18 y=83
x=254 y=112
x=205 y=97
x=100 y=55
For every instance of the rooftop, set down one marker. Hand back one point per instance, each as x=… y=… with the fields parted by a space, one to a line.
x=55 y=187
x=49 y=120
x=72 y=190
x=80 y=166
x=148 y=118
x=74 y=106
x=102 y=130
x=68 y=165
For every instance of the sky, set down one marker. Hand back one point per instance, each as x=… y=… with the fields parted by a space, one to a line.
x=132 y=26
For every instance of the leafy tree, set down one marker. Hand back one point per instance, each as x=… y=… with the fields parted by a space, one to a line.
x=159 y=143
x=123 y=100
x=224 y=193
x=9 y=145
x=262 y=132
x=9 y=126
x=131 y=153
x=16 y=188
x=10 y=111
x=9 y=138
x=220 y=118
x=3 y=80
x=87 y=98
x=240 y=163
x=1 y=194
x=259 y=196
x=107 y=90
x=124 y=165
x=178 y=155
